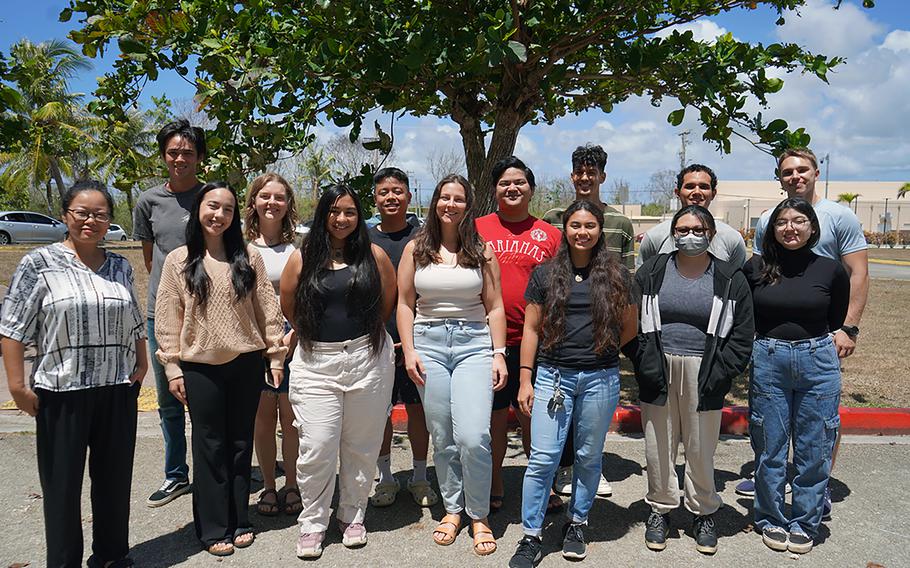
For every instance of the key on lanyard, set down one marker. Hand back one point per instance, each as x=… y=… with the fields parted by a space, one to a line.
x=556 y=401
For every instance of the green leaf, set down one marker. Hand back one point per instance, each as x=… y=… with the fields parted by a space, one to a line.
x=66 y=14
x=128 y=45
x=676 y=117
x=777 y=125
x=519 y=50
x=774 y=84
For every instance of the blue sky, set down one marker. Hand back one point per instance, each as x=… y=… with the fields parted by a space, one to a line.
x=860 y=119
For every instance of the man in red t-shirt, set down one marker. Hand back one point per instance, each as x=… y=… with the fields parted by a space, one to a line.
x=521 y=242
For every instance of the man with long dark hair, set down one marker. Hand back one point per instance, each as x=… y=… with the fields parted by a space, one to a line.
x=392 y=193
x=159 y=221
x=520 y=242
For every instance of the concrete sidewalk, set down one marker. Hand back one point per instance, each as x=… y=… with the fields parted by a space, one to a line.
x=870 y=521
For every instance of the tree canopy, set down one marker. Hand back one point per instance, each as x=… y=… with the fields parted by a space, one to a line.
x=268 y=70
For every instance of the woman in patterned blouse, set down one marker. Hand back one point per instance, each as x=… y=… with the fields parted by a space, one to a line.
x=75 y=303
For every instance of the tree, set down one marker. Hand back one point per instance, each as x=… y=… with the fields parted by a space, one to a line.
x=848 y=198
x=54 y=126
x=903 y=190
x=444 y=162
x=660 y=188
x=620 y=193
x=267 y=71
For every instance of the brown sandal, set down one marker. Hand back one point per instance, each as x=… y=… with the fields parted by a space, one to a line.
x=291 y=507
x=482 y=535
x=449 y=534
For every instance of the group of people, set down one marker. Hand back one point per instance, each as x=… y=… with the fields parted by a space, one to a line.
x=460 y=319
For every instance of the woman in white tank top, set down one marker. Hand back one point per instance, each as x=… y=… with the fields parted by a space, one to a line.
x=452 y=355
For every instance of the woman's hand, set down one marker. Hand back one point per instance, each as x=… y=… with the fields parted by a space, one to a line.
x=142 y=367
x=526 y=397
x=500 y=371
x=26 y=400
x=175 y=386
x=414 y=367
x=277 y=376
x=290 y=341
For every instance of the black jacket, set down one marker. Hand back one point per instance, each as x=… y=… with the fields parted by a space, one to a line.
x=728 y=345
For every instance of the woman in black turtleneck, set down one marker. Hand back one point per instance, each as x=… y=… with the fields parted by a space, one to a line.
x=800 y=299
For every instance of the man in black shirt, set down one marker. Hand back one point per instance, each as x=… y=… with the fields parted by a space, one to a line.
x=392 y=195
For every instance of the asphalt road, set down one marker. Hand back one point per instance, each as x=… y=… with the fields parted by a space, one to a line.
x=870 y=523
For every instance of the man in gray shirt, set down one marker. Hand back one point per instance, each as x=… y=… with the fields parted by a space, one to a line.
x=159 y=221
x=695 y=185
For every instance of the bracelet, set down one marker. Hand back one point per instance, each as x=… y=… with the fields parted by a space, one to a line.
x=499 y=351
x=526 y=367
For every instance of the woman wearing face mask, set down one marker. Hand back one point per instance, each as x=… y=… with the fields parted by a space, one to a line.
x=695 y=336
x=800 y=300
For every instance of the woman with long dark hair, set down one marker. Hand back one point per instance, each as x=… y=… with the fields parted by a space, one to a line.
x=579 y=313
x=216 y=317
x=337 y=293
x=270 y=217
x=800 y=300
x=695 y=337
x=449 y=290
x=75 y=303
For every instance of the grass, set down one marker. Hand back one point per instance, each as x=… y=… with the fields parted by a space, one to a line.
x=876 y=375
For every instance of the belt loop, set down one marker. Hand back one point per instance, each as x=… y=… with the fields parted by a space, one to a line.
x=813 y=343
x=771 y=343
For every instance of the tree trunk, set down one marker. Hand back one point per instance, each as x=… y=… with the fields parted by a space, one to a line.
x=49 y=197
x=58 y=177
x=129 y=198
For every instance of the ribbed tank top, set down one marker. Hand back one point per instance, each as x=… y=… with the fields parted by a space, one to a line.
x=336 y=324
x=449 y=292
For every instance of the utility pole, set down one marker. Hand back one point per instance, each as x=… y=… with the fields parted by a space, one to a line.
x=684 y=141
x=827 y=161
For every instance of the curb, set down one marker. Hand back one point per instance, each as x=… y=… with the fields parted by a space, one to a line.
x=735 y=420
x=891 y=262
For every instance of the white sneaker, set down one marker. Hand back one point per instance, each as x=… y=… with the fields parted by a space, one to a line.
x=563 y=483
x=604 y=489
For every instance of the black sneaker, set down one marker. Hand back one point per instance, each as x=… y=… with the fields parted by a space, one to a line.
x=775 y=538
x=573 y=542
x=528 y=553
x=170 y=490
x=705 y=534
x=799 y=543
x=656 y=530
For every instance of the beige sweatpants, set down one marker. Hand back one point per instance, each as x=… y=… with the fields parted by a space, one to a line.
x=679 y=421
x=340 y=394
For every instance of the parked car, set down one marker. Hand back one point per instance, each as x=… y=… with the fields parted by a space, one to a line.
x=115 y=233
x=29 y=227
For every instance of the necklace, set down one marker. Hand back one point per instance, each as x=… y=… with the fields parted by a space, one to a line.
x=578 y=278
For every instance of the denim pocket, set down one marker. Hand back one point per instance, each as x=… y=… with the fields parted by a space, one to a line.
x=757 y=433
x=832 y=427
x=420 y=329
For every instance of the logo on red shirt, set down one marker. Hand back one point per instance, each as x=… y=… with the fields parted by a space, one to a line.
x=539 y=235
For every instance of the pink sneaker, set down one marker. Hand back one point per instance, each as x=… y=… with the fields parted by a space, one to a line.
x=309 y=545
x=354 y=534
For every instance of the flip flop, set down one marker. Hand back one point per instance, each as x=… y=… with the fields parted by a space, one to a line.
x=291 y=507
x=240 y=541
x=483 y=536
x=226 y=551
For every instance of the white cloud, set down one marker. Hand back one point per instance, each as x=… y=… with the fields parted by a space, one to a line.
x=819 y=27
x=897 y=41
x=702 y=30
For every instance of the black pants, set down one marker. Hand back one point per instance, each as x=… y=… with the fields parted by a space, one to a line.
x=102 y=421
x=223 y=400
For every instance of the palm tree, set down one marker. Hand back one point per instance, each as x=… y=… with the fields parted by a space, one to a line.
x=903 y=190
x=54 y=124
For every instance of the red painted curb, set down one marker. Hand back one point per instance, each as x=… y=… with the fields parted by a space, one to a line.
x=735 y=420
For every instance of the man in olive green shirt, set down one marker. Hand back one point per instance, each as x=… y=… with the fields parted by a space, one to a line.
x=588 y=174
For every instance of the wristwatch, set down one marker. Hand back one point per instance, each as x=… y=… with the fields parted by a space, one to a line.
x=499 y=351
x=851 y=330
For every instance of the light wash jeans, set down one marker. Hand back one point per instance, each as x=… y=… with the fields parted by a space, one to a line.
x=590 y=400
x=794 y=391
x=172 y=415
x=457 y=401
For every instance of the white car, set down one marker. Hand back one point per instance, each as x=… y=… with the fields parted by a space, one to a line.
x=115 y=233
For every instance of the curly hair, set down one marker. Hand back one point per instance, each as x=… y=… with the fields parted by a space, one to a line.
x=428 y=238
x=251 y=216
x=610 y=288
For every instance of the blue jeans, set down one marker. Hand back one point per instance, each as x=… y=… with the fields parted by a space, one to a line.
x=457 y=400
x=590 y=400
x=172 y=415
x=794 y=391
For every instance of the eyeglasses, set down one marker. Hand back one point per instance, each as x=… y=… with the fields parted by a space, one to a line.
x=81 y=215
x=795 y=223
x=684 y=231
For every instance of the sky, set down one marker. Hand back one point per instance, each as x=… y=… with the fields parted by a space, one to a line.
x=861 y=119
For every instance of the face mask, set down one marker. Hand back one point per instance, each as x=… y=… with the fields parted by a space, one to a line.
x=691 y=245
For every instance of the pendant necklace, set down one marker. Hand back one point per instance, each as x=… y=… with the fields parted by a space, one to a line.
x=578 y=278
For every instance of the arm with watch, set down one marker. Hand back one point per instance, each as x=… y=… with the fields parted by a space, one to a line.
x=496 y=317
x=842 y=311
x=857 y=267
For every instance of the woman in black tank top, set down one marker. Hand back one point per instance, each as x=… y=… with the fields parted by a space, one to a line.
x=338 y=293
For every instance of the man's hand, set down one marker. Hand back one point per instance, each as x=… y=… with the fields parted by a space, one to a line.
x=844 y=343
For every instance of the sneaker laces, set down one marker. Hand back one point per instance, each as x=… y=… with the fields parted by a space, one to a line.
x=575 y=532
x=655 y=521
x=526 y=548
x=705 y=525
